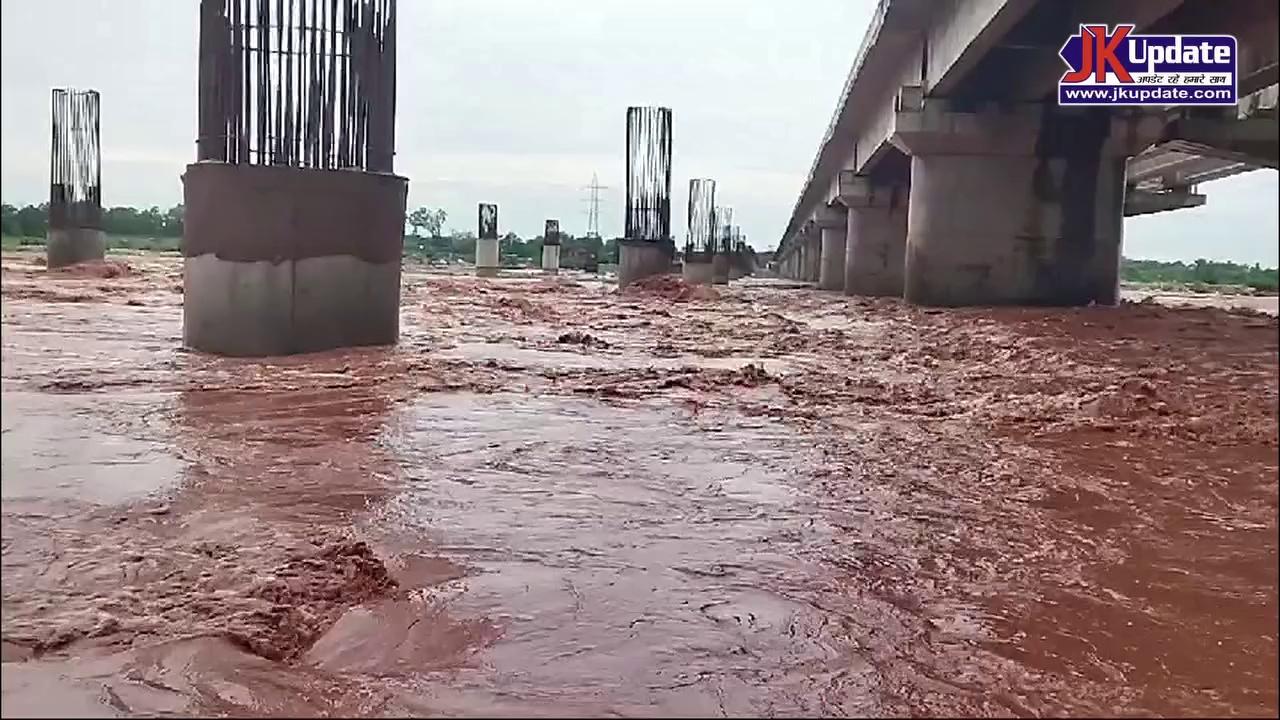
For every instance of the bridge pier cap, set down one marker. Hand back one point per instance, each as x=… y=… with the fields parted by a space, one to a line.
x=1020 y=204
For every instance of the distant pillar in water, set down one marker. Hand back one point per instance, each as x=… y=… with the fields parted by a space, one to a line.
x=75 y=180
x=702 y=232
x=735 y=255
x=647 y=248
x=294 y=224
x=487 y=240
x=721 y=257
x=551 y=247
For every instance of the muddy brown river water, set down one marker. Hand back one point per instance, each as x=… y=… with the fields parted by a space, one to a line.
x=551 y=499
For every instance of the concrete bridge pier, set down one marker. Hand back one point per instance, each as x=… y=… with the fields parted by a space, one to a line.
x=877 y=236
x=815 y=255
x=832 y=222
x=1023 y=207
x=811 y=252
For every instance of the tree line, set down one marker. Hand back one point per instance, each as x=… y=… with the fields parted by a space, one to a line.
x=32 y=221
x=426 y=237
x=1201 y=273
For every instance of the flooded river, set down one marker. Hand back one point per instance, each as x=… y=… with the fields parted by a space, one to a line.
x=551 y=499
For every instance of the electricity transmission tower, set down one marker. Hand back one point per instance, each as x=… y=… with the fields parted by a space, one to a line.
x=593 y=212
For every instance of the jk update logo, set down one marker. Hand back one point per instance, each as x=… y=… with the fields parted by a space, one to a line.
x=1123 y=68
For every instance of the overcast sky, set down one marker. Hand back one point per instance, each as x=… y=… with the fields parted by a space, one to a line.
x=518 y=102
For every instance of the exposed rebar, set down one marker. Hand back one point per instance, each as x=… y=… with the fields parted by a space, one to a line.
x=648 y=211
x=303 y=83
x=702 y=217
x=487 y=225
x=724 y=231
x=75 y=161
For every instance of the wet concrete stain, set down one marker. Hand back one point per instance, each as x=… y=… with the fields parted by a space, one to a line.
x=554 y=499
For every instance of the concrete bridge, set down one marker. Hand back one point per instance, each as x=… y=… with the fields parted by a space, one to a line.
x=950 y=176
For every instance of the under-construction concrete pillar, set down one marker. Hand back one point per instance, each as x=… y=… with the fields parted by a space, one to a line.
x=292 y=240
x=1016 y=207
x=831 y=222
x=648 y=248
x=487 y=257
x=551 y=247
x=699 y=251
x=282 y=260
x=75 y=181
x=877 y=236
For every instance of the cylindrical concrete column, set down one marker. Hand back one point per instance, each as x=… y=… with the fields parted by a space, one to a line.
x=551 y=258
x=1053 y=239
x=281 y=260
x=487 y=257
x=831 y=271
x=815 y=257
x=876 y=247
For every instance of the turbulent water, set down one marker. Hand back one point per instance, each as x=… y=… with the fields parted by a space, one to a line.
x=553 y=499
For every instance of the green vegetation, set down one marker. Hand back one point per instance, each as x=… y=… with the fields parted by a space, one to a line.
x=32 y=221
x=156 y=230
x=1201 y=275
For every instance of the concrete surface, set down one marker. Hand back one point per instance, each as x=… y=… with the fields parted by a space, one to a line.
x=258 y=309
x=284 y=260
x=254 y=212
x=551 y=258
x=487 y=257
x=720 y=269
x=73 y=245
x=1039 y=246
x=831 y=265
x=698 y=272
x=877 y=240
x=641 y=259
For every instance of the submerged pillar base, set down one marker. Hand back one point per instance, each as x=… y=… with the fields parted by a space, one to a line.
x=68 y=246
x=720 y=269
x=639 y=259
x=698 y=269
x=282 y=260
